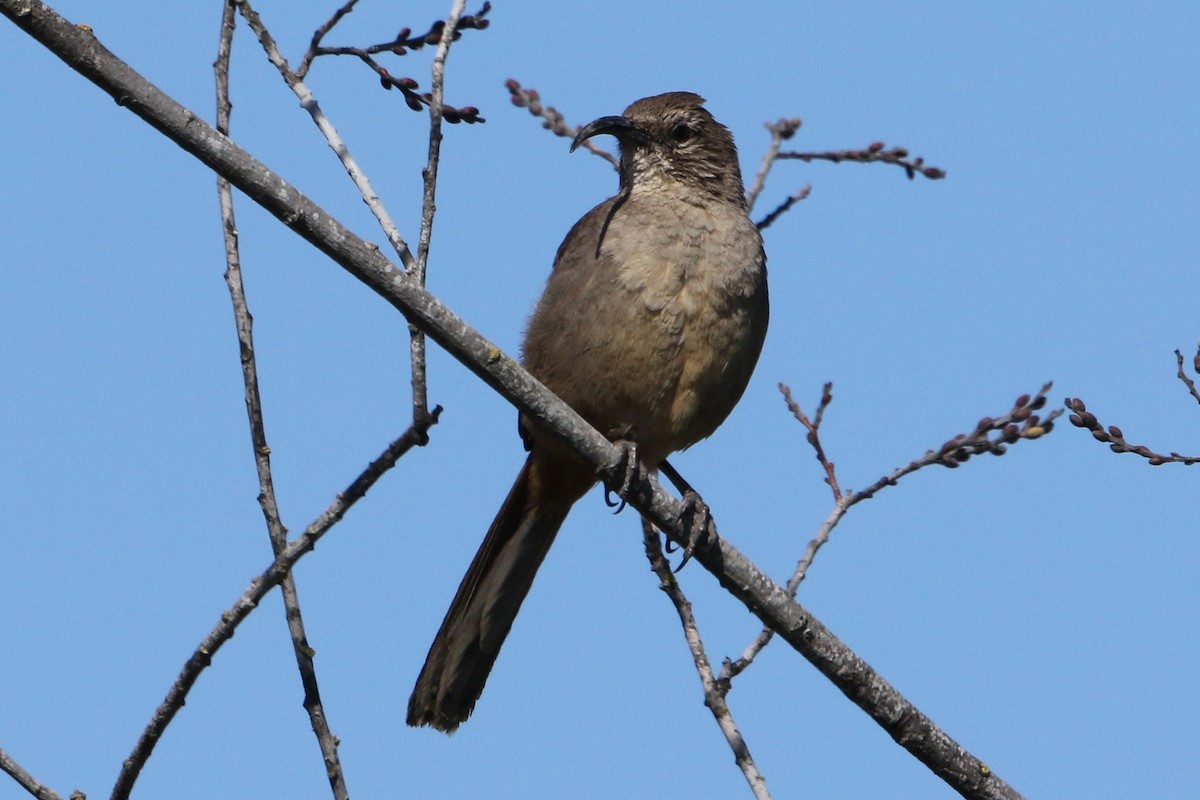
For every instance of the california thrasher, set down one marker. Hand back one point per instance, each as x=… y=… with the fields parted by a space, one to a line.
x=649 y=326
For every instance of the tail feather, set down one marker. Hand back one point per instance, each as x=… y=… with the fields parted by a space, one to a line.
x=489 y=597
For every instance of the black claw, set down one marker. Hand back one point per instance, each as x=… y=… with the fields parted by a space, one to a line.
x=619 y=504
x=632 y=470
x=695 y=518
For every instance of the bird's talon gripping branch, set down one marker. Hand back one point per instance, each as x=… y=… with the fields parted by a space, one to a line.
x=630 y=467
x=696 y=520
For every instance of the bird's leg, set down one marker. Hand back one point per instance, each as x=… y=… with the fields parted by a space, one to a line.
x=694 y=517
x=630 y=468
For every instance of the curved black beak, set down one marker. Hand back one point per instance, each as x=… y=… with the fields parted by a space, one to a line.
x=621 y=127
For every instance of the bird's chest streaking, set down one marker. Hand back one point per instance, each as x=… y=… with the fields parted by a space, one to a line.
x=678 y=291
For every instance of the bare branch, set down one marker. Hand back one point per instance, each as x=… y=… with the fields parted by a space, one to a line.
x=27 y=781
x=420 y=396
x=781 y=131
x=553 y=121
x=309 y=103
x=255 y=592
x=714 y=689
x=795 y=197
x=403 y=43
x=319 y=36
x=1115 y=437
x=1188 y=382
x=875 y=153
x=990 y=436
x=326 y=741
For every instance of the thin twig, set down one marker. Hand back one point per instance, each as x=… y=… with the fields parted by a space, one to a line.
x=554 y=121
x=403 y=43
x=326 y=741
x=27 y=781
x=875 y=152
x=1114 y=437
x=991 y=435
x=232 y=617
x=781 y=131
x=309 y=103
x=319 y=35
x=714 y=689
x=1183 y=376
x=795 y=197
x=420 y=399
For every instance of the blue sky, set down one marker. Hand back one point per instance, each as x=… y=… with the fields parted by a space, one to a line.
x=1040 y=607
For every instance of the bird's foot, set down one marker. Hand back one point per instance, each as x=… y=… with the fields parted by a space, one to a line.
x=696 y=521
x=629 y=469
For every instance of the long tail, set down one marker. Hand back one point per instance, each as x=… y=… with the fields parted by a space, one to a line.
x=491 y=593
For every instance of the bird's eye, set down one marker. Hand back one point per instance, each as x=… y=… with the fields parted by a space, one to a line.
x=682 y=133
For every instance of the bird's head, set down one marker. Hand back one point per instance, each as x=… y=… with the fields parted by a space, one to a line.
x=670 y=141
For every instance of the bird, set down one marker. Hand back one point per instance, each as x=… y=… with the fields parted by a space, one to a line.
x=650 y=325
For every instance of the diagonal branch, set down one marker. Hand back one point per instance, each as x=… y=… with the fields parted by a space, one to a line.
x=715 y=689
x=232 y=617
x=244 y=323
x=309 y=103
x=27 y=781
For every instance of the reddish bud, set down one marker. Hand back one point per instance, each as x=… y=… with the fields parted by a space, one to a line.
x=1022 y=401
x=933 y=173
x=451 y=115
x=512 y=85
x=899 y=152
x=480 y=24
x=1100 y=435
x=984 y=423
x=1115 y=431
x=413 y=102
x=469 y=111
x=1077 y=421
x=1021 y=414
x=1038 y=402
x=875 y=147
x=407 y=83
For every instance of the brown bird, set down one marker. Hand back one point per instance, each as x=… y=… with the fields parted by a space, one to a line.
x=649 y=327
